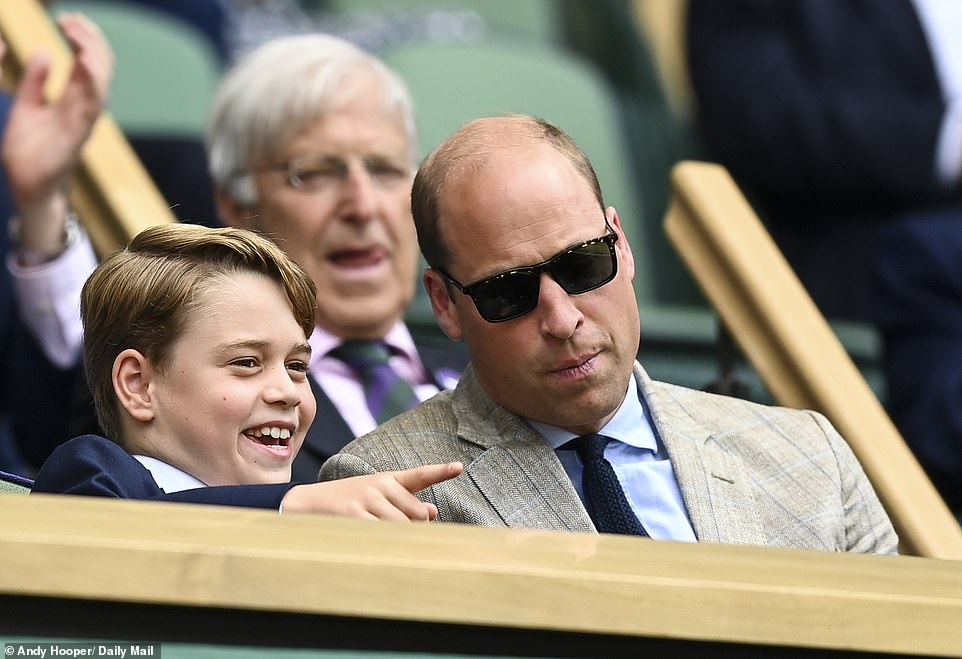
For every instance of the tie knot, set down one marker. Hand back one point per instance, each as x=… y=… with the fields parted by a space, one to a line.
x=589 y=447
x=386 y=393
x=362 y=355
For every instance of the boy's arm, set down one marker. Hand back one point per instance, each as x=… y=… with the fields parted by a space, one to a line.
x=96 y=466
x=247 y=496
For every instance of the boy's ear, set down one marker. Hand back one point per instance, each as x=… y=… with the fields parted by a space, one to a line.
x=132 y=374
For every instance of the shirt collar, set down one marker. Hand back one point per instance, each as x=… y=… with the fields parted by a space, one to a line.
x=627 y=425
x=398 y=339
x=169 y=478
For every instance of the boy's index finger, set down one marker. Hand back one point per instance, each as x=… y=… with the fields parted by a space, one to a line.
x=418 y=478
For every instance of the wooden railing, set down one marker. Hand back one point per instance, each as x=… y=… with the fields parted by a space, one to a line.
x=160 y=572
x=111 y=191
x=788 y=341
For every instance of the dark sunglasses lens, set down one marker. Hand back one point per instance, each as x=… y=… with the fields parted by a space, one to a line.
x=585 y=268
x=506 y=297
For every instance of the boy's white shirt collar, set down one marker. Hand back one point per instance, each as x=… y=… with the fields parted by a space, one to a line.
x=169 y=478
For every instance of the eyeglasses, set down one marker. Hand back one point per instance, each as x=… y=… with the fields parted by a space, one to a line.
x=324 y=172
x=513 y=293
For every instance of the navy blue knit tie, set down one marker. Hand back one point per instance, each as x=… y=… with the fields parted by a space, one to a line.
x=386 y=393
x=604 y=498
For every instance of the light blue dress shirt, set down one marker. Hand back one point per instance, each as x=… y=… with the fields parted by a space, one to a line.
x=641 y=463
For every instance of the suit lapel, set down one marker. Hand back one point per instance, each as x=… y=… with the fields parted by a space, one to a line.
x=517 y=472
x=443 y=365
x=527 y=489
x=713 y=483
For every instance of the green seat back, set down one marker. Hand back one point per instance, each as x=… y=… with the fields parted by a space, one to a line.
x=166 y=70
x=533 y=18
x=7 y=487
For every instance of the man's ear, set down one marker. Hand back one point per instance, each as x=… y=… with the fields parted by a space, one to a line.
x=232 y=212
x=444 y=308
x=132 y=375
x=626 y=260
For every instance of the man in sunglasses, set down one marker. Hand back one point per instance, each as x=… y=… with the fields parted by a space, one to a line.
x=557 y=425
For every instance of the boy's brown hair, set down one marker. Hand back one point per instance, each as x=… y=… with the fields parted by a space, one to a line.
x=141 y=297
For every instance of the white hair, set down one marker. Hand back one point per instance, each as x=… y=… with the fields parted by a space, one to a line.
x=279 y=90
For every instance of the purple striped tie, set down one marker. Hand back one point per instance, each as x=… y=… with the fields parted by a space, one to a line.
x=386 y=393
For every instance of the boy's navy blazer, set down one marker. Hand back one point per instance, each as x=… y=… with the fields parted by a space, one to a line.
x=93 y=465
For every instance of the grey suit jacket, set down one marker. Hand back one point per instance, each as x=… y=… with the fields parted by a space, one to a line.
x=748 y=473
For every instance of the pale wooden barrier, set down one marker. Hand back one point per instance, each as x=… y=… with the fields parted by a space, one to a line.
x=310 y=570
x=112 y=193
x=788 y=341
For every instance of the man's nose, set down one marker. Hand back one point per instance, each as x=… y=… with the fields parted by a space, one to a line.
x=358 y=193
x=559 y=314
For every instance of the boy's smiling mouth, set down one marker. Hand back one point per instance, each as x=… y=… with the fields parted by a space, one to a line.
x=274 y=437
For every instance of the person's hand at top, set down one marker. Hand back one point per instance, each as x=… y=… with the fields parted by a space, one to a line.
x=43 y=140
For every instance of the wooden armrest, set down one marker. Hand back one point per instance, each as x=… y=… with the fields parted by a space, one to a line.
x=778 y=327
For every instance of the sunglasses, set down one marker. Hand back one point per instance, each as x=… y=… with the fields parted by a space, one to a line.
x=513 y=293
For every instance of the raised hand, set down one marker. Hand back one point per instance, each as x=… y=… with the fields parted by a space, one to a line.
x=43 y=140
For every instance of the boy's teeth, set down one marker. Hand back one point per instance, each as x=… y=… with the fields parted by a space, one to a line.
x=273 y=432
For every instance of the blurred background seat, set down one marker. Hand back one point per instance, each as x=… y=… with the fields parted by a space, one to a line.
x=541 y=20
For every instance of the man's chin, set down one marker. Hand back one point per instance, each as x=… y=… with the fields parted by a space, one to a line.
x=581 y=415
x=369 y=316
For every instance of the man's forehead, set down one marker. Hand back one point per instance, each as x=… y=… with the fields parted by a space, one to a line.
x=372 y=128
x=505 y=222
x=512 y=175
x=353 y=126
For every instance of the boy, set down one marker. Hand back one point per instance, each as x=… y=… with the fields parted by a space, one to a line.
x=196 y=352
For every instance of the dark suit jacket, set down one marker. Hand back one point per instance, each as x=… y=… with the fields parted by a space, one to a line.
x=330 y=433
x=920 y=315
x=95 y=466
x=835 y=99
x=828 y=113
